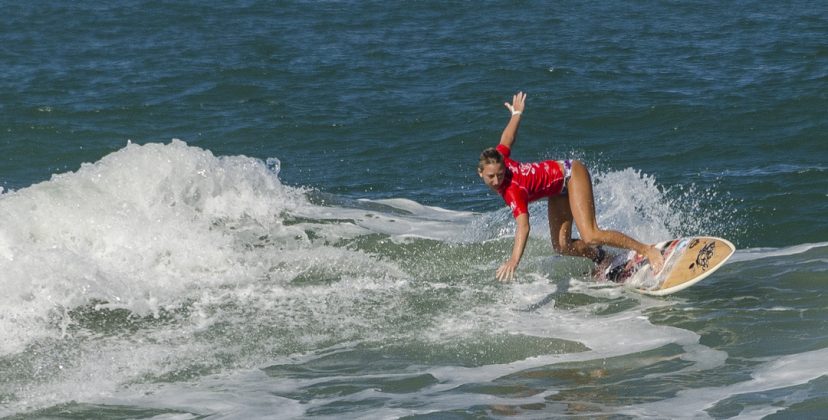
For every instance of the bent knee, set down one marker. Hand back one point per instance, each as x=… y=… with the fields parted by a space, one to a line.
x=559 y=247
x=565 y=248
x=592 y=238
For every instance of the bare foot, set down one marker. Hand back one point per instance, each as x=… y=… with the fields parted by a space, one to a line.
x=655 y=258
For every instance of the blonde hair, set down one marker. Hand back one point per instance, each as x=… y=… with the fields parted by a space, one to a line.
x=490 y=155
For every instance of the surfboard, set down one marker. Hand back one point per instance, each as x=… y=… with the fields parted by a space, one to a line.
x=687 y=261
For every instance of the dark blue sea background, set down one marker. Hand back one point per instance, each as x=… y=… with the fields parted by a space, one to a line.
x=271 y=209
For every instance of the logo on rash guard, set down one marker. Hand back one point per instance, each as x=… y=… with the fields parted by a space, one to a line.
x=527 y=168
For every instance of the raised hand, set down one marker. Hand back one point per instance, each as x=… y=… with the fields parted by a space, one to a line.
x=518 y=103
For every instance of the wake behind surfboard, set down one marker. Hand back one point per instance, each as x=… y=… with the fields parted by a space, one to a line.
x=687 y=261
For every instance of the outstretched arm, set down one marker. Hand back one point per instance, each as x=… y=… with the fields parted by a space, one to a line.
x=507 y=270
x=516 y=107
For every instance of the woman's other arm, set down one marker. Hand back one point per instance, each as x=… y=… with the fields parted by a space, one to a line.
x=516 y=108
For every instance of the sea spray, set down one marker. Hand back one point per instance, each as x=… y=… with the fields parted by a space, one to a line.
x=181 y=258
x=163 y=263
x=634 y=203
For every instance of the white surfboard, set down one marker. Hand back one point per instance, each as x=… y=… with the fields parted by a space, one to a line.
x=687 y=261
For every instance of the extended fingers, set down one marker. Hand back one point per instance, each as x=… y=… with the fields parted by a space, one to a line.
x=518 y=100
x=505 y=273
x=517 y=104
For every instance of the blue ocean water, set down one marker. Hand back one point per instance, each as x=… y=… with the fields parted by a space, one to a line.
x=270 y=209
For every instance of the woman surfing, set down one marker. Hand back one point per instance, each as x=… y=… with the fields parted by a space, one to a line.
x=568 y=187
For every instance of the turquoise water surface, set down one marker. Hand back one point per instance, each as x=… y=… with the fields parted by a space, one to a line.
x=270 y=209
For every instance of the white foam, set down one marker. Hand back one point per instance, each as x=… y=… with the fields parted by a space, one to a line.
x=403 y=219
x=631 y=202
x=149 y=227
x=781 y=372
x=772 y=169
x=224 y=396
x=136 y=230
x=158 y=228
x=609 y=336
x=763 y=253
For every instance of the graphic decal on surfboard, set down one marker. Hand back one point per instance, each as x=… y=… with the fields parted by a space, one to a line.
x=686 y=262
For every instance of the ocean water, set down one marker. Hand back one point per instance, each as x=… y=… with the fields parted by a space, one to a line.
x=270 y=209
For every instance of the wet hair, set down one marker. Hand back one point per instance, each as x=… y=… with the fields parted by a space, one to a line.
x=490 y=155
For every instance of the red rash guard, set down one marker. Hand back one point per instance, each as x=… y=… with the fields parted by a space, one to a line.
x=527 y=182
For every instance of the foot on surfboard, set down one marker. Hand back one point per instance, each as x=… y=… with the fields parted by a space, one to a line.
x=685 y=261
x=655 y=258
x=602 y=261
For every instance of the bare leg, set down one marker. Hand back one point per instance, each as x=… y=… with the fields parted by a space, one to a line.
x=582 y=208
x=560 y=230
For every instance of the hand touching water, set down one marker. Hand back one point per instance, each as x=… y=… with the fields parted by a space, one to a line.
x=506 y=272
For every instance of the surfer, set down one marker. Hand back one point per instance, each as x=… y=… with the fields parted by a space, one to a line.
x=568 y=187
